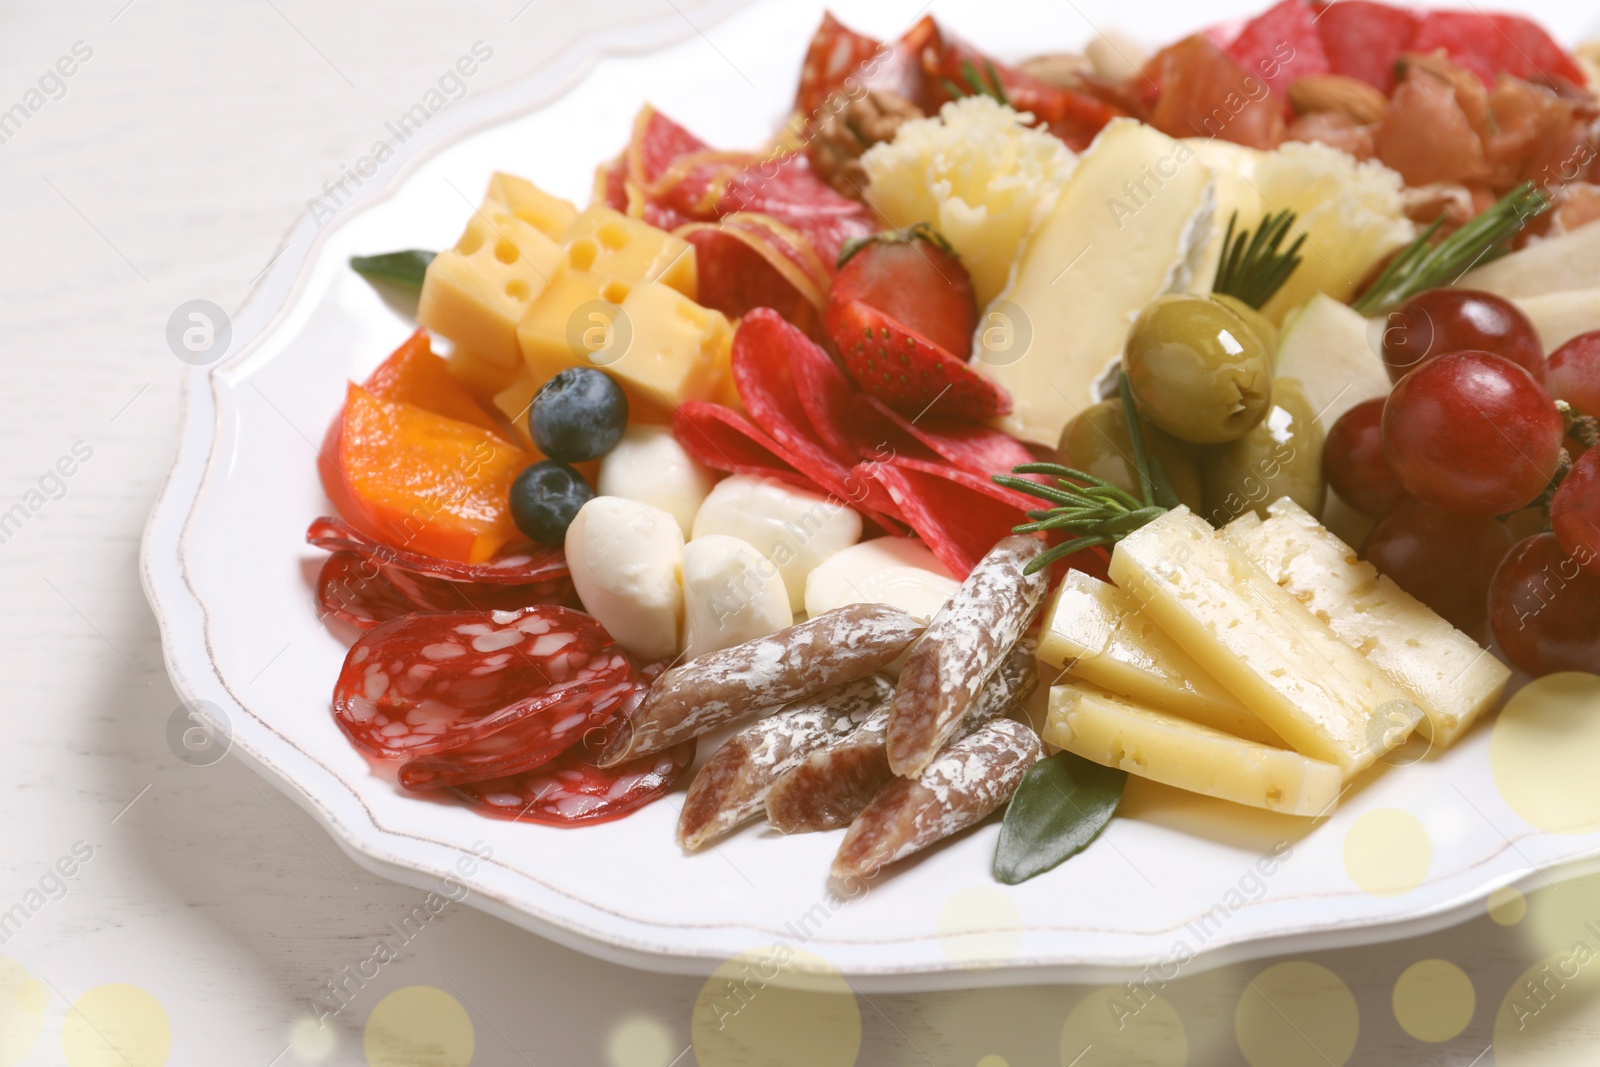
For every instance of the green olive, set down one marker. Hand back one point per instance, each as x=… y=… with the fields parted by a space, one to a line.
x=1198 y=370
x=1096 y=441
x=1258 y=322
x=1281 y=456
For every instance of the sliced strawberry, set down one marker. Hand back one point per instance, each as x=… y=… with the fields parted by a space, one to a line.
x=907 y=371
x=915 y=279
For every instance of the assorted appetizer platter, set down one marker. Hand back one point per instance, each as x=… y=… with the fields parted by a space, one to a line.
x=1214 y=415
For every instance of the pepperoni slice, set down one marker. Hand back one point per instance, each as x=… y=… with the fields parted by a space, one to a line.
x=969 y=445
x=718 y=437
x=423 y=684
x=959 y=515
x=572 y=791
x=367 y=582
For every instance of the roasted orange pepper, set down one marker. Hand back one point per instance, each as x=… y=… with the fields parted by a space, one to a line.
x=414 y=375
x=418 y=480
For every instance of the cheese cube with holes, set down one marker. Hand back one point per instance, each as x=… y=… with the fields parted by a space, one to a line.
x=1450 y=676
x=631 y=250
x=731 y=594
x=627 y=566
x=477 y=292
x=897 y=571
x=1116 y=732
x=572 y=322
x=1282 y=662
x=1096 y=632
x=648 y=465
x=483 y=377
x=795 y=529
x=545 y=212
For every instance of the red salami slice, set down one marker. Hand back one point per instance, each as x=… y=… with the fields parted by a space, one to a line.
x=718 y=437
x=840 y=416
x=959 y=515
x=969 y=445
x=1280 y=45
x=1364 y=39
x=423 y=684
x=1488 y=44
x=571 y=791
x=532 y=740
x=739 y=271
x=785 y=188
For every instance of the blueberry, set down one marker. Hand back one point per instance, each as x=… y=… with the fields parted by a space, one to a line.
x=577 y=415
x=545 y=498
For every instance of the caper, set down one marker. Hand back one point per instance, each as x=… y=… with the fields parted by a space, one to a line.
x=1097 y=442
x=1198 y=370
x=1281 y=456
x=1258 y=322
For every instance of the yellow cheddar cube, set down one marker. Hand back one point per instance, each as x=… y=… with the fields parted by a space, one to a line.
x=680 y=351
x=477 y=292
x=631 y=250
x=549 y=214
x=573 y=319
x=514 y=401
x=483 y=377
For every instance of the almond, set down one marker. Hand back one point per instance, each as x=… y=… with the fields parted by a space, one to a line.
x=1335 y=92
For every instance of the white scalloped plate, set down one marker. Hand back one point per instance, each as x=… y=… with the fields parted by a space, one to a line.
x=228 y=576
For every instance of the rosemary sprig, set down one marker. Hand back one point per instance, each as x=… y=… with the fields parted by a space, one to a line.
x=976 y=85
x=1098 y=512
x=1253 y=267
x=1422 y=265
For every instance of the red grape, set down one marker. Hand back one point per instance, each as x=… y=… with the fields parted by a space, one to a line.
x=1440 y=321
x=1443 y=560
x=1352 y=460
x=1473 y=433
x=1573 y=373
x=1545 y=608
x=1575 y=511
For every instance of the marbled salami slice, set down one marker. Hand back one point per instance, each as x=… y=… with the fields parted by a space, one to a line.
x=968 y=780
x=422 y=684
x=713 y=690
x=731 y=787
x=830 y=787
x=572 y=791
x=366 y=582
x=964 y=644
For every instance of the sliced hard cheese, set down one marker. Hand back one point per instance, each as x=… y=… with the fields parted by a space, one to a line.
x=1559 y=317
x=1328 y=348
x=897 y=571
x=1115 y=732
x=1281 y=661
x=1449 y=675
x=1096 y=632
x=1554 y=265
x=1233 y=166
x=1129 y=225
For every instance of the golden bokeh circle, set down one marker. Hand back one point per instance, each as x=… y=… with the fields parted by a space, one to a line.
x=1434 y=1000
x=993 y=1061
x=1550 y=1016
x=1387 y=852
x=117 y=1025
x=1115 y=1027
x=1543 y=750
x=641 y=1040
x=22 y=1003
x=980 y=927
x=777 y=1006
x=419 y=1026
x=312 y=1040
x=1296 y=1013
x=1507 y=906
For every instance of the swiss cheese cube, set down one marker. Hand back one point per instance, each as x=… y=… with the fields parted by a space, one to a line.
x=483 y=377
x=1096 y=632
x=631 y=250
x=1116 y=732
x=1450 y=675
x=1263 y=645
x=1128 y=226
x=549 y=214
x=477 y=292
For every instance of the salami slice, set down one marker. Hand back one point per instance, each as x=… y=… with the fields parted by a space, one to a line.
x=423 y=684
x=969 y=445
x=830 y=787
x=572 y=791
x=970 y=779
x=731 y=787
x=718 y=437
x=959 y=515
x=1280 y=45
x=718 y=688
x=966 y=642
x=532 y=740
x=367 y=582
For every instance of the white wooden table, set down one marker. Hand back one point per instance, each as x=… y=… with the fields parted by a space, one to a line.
x=166 y=167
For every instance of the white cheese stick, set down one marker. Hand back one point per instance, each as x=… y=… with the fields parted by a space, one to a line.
x=1115 y=732
x=1096 y=632
x=1450 y=675
x=1281 y=661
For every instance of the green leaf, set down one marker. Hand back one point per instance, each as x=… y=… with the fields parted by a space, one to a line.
x=400 y=268
x=1062 y=804
x=1253 y=266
